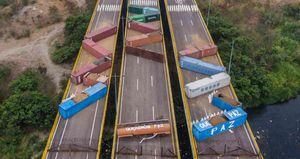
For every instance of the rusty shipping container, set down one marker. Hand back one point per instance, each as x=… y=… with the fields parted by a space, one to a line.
x=144 y=130
x=144 y=39
x=77 y=75
x=147 y=54
x=102 y=33
x=199 y=52
x=142 y=27
x=95 y=49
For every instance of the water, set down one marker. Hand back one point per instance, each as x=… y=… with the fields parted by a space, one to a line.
x=278 y=127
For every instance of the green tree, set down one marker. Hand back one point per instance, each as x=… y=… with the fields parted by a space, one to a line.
x=28 y=81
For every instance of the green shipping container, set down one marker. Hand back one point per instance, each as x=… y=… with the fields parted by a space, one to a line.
x=145 y=18
x=136 y=9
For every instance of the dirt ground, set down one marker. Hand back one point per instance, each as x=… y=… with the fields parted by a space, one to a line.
x=34 y=52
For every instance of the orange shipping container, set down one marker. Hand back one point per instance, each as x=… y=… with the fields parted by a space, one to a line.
x=144 y=130
x=144 y=39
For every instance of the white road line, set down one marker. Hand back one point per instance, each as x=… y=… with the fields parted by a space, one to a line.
x=192 y=22
x=151 y=79
x=54 y=135
x=205 y=111
x=137 y=60
x=249 y=139
x=154 y=153
x=136 y=116
x=135 y=155
x=153 y=115
x=93 y=125
x=62 y=137
x=137 y=84
x=185 y=38
x=121 y=104
x=181 y=22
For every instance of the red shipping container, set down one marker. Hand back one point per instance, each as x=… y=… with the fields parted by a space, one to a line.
x=199 y=52
x=145 y=53
x=144 y=39
x=102 y=33
x=142 y=27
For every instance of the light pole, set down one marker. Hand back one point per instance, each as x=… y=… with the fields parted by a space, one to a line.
x=231 y=53
x=208 y=12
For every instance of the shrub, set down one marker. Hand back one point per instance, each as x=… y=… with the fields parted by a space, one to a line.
x=292 y=10
x=28 y=81
x=54 y=14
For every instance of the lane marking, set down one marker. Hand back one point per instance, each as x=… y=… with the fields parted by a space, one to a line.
x=181 y=22
x=137 y=60
x=93 y=125
x=151 y=79
x=53 y=136
x=185 y=38
x=249 y=139
x=137 y=84
x=136 y=116
x=62 y=137
x=154 y=153
x=153 y=115
x=192 y=22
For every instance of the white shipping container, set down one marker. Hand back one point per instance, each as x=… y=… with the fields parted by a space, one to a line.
x=207 y=84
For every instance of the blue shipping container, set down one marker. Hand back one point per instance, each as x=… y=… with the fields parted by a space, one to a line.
x=200 y=66
x=225 y=103
x=69 y=107
x=204 y=129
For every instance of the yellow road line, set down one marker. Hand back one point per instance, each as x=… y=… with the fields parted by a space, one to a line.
x=110 y=75
x=167 y=76
x=234 y=93
x=181 y=82
x=51 y=135
x=120 y=91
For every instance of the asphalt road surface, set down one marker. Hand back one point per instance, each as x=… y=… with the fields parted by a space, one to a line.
x=144 y=97
x=78 y=137
x=190 y=29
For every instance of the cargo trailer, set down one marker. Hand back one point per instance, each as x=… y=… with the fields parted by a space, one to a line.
x=142 y=27
x=224 y=102
x=102 y=33
x=207 y=84
x=150 y=10
x=135 y=9
x=199 y=52
x=74 y=105
x=98 y=66
x=147 y=54
x=215 y=125
x=144 y=128
x=145 y=18
x=144 y=39
x=95 y=49
x=199 y=66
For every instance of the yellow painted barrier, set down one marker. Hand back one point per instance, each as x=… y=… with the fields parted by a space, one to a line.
x=167 y=76
x=181 y=82
x=106 y=100
x=51 y=135
x=119 y=93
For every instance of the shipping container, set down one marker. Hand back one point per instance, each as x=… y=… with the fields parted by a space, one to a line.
x=218 y=124
x=143 y=128
x=199 y=52
x=142 y=27
x=144 y=39
x=145 y=18
x=151 y=10
x=207 y=84
x=95 y=49
x=102 y=33
x=199 y=66
x=224 y=102
x=98 y=66
x=135 y=9
x=90 y=79
x=147 y=54
x=72 y=106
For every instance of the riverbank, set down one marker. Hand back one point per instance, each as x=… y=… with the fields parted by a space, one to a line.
x=277 y=128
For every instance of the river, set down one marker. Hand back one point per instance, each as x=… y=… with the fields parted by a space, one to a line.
x=277 y=128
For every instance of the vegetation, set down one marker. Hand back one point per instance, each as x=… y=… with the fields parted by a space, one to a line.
x=26 y=113
x=265 y=66
x=74 y=33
